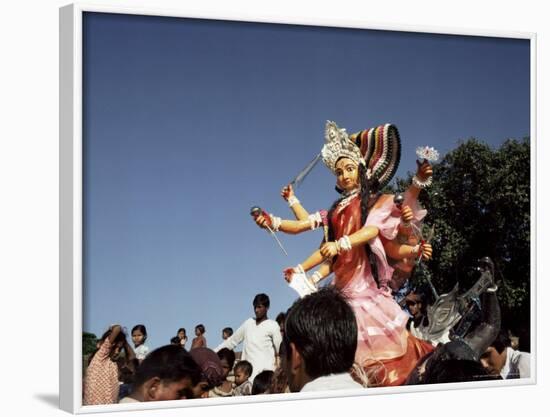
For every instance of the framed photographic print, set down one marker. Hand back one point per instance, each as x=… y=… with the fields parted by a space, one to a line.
x=266 y=210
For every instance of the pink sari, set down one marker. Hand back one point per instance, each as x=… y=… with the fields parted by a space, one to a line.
x=382 y=333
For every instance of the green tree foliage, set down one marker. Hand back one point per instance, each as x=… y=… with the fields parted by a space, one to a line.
x=479 y=205
x=89 y=341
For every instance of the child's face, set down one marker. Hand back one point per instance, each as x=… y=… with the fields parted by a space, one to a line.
x=240 y=376
x=197 y=332
x=225 y=335
x=137 y=337
x=226 y=368
x=181 y=334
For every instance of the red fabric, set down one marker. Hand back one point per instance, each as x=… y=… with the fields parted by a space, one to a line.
x=394 y=372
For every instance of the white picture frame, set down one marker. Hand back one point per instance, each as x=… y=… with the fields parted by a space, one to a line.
x=71 y=202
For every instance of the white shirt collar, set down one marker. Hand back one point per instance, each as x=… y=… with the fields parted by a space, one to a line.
x=331 y=382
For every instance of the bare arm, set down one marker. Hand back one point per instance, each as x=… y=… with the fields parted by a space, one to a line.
x=324 y=271
x=115 y=331
x=397 y=251
x=299 y=211
x=287 y=226
x=314 y=259
x=359 y=238
x=424 y=171
x=232 y=342
x=330 y=249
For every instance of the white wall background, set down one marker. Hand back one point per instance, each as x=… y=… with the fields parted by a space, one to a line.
x=29 y=199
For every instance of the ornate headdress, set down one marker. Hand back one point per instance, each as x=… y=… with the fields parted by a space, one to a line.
x=379 y=148
x=338 y=145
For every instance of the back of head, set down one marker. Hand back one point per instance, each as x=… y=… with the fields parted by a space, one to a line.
x=322 y=326
x=455 y=370
x=502 y=341
x=262 y=299
x=228 y=355
x=454 y=361
x=262 y=382
x=210 y=366
x=169 y=363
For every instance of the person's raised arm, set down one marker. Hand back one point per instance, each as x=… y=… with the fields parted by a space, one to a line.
x=233 y=341
x=115 y=331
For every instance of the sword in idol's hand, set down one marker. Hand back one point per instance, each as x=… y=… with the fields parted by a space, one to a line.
x=304 y=172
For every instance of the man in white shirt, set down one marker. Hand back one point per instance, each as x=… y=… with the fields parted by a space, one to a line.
x=261 y=338
x=319 y=343
x=500 y=358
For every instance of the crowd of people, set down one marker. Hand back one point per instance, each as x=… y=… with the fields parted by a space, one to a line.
x=367 y=328
x=118 y=372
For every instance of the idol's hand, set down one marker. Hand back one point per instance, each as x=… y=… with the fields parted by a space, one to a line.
x=406 y=214
x=287 y=192
x=426 y=249
x=288 y=272
x=264 y=221
x=424 y=170
x=329 y=250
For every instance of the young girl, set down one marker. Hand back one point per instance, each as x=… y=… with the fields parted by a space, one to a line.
x=101 y=385
x=200 y=340
x=139 y=336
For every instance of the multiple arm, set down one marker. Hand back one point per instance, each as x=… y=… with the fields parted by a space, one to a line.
x=304 y=221
x=397 y=249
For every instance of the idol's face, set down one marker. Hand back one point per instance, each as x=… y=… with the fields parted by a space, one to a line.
x=347 y=174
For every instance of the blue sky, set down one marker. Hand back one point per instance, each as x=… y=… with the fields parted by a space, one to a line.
x=188 y=123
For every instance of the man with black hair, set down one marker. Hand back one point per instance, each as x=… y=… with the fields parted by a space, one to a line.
x=501 y=359
x=319 y=342
x=261 y=338
x=167 y=373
